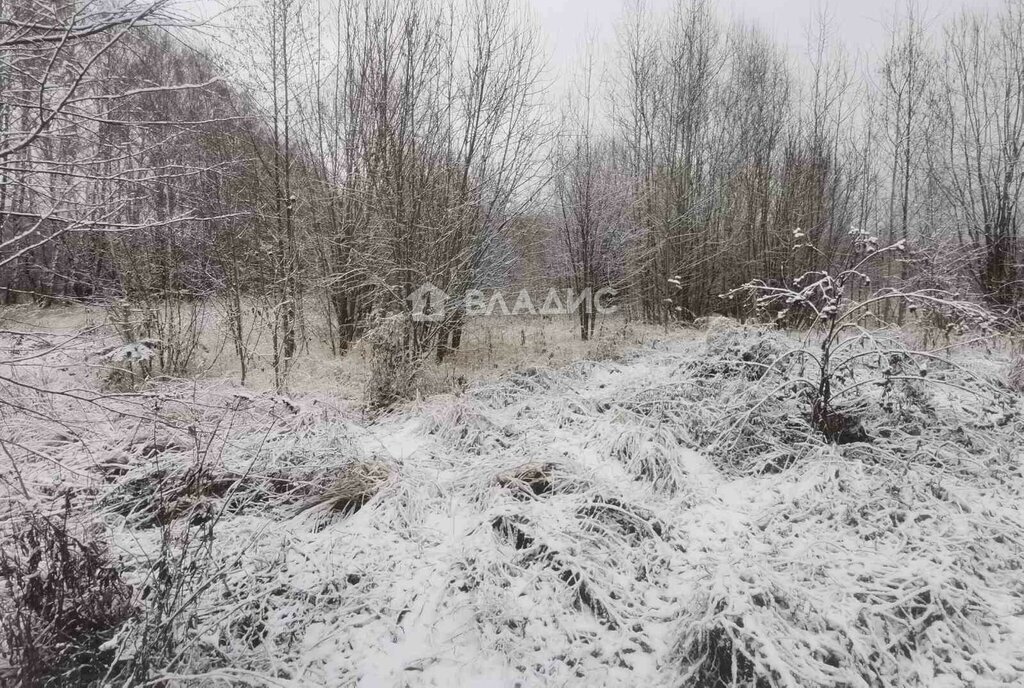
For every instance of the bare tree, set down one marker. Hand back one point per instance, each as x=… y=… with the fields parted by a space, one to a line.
x=588 y=191
x=903 y=92
x=58 y=113
x=980 y=106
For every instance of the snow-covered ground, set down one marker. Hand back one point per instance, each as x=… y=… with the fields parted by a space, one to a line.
x=608 y=523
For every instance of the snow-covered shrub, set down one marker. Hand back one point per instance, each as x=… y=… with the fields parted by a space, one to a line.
x=844 y=324
x=176 y=321
x=773 y=435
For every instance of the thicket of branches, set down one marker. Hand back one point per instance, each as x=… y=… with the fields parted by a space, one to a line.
x=735 y=159
x=361 y=149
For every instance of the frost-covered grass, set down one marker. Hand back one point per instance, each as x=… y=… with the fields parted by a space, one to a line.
x=668 y=517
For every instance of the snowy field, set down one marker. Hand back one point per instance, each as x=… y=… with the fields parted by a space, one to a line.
x=665 y=518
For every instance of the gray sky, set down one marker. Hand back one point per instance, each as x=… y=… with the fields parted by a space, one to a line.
x=860 y=24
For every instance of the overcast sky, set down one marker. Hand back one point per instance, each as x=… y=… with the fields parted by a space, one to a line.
x=860 y=24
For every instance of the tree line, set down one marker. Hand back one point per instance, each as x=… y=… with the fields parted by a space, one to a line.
x=312 y=168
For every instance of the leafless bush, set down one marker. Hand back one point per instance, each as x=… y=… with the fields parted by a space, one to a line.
x=62 y=601
x=129 y=364
x=175 y=322
x=163 y=634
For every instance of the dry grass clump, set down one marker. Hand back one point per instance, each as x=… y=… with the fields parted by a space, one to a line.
x=650 y=454
x=590 y=560
x=755 y=628
x=516 y=386
x=576 y=547
x=624 y=518
x=532 y=380
x=741 y=350
x=715 y=323
x=195 y=491
x=529 y=479
x=158 y=497
x=573 y=415
x=586 y=592
x=468 y=428
x=61 y=600
x=751 y=631
x=353 y=488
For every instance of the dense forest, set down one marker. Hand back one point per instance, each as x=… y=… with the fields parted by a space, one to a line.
x=331 y=157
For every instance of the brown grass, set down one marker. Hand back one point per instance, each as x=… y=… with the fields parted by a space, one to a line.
x=356 y=485
x=491 y=347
